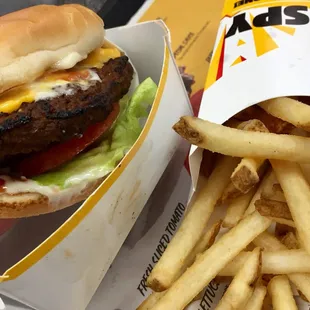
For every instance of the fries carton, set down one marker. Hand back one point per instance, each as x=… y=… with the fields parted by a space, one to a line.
x=57 y=261
x=261 y=52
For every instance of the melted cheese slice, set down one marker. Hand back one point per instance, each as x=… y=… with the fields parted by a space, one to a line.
x=12 y=99
x=99 y=56
x=55 y=84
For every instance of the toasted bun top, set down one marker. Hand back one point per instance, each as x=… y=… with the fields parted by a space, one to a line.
x=45 y=37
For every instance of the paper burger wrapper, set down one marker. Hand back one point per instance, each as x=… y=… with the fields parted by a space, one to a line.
x=57 y=261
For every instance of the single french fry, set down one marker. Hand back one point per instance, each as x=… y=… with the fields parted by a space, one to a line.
x=281 y=294
x=289 y=110
x=273 y=124
x=240 y=143
x=268 y=180
x=151 y=301
x=273 y=208
x=297 y=194
x=241 y=287
x=274 y=262
x=256 y=301
x=208 y=265
x=192 y=227
x=274 y=192
x=236 y=209
x=270 y=243
x=245 y=176
x=290 y=241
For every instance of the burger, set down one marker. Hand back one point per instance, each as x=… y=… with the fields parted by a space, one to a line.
x=70 y=108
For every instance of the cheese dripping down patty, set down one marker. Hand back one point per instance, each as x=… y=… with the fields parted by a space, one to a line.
x=59 y=83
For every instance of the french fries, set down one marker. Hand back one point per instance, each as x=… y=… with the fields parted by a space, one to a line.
x=289 y=110
x=275 y=210
x=281 y=294
x=167 y=269
x=256 y=301
x=257 y=260
x=273 y=124
x=206 y=241
x=208 y=265
x=269 y=180
x=274 y=262
x=297 y=194
x=236 y=209
x=274 y=192
x=269 y=242
x=246 y=175
x=241 y=288
x=239 y=143
x=203 y=244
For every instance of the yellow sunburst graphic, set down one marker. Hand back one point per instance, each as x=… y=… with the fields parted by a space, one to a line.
x=262 y=40
x=264 y=43
x=286 y=29
x=240 y=42
x=238 y=60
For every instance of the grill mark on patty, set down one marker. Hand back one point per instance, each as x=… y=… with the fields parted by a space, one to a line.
x=39 y=124
x=19 y=120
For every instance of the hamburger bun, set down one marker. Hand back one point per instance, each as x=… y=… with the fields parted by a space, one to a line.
x=26 y=204
x=45 y=37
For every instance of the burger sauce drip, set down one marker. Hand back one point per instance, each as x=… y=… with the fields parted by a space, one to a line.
x=2 y=186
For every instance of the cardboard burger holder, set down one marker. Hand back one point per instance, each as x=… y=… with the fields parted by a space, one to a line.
x=261 y=52
x=57 y=261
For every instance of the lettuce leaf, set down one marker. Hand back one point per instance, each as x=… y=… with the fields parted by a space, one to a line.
x=101 y=160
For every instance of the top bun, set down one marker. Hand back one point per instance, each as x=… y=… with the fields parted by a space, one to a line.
x=45 y=37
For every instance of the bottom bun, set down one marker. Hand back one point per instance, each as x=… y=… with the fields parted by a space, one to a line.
x=32 y=204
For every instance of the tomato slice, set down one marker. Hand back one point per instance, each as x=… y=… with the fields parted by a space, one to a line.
x=59 y=154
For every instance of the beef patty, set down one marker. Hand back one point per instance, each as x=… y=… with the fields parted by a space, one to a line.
x=39 y=124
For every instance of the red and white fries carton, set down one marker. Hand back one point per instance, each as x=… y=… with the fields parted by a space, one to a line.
x=57 y=261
